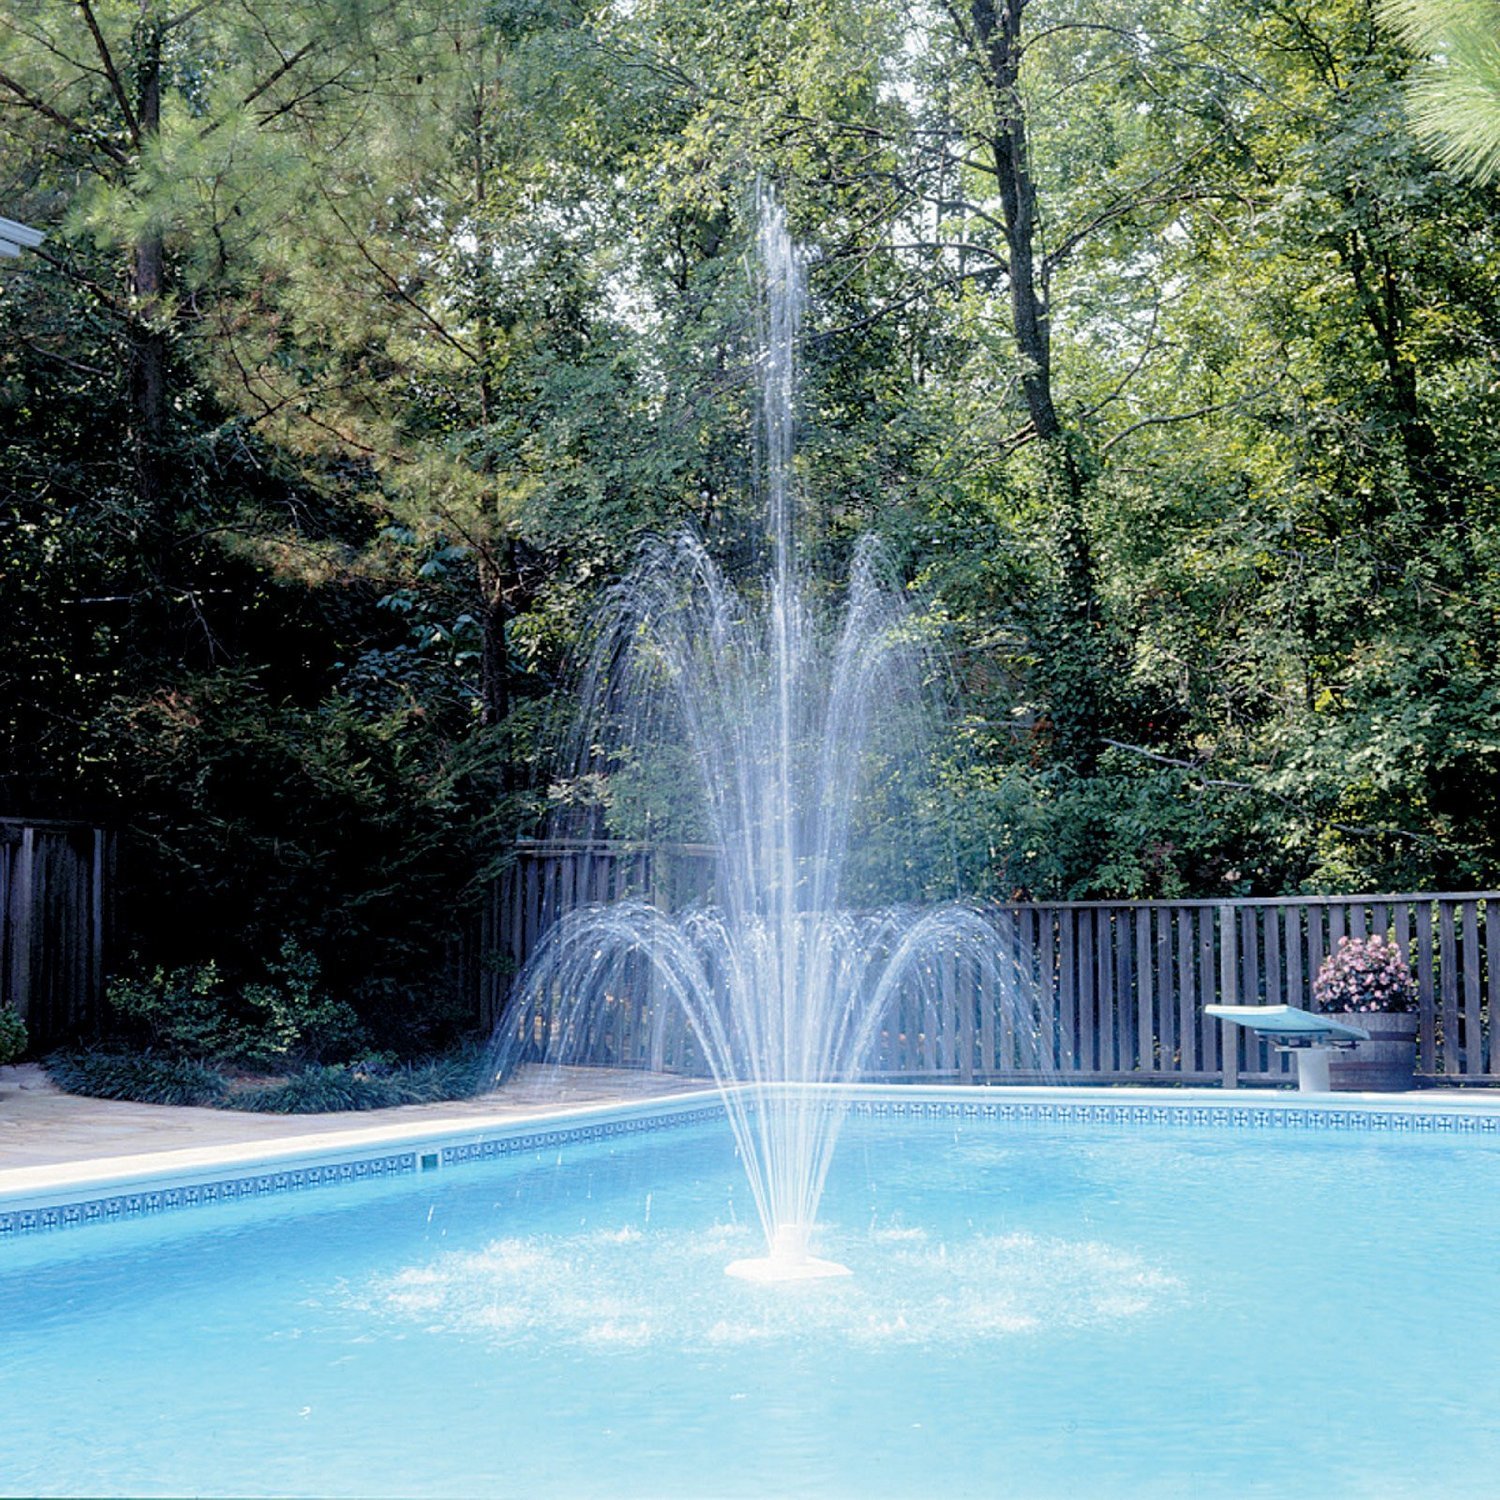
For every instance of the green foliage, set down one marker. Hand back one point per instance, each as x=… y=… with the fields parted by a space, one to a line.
x=12 y=1034
x=141 y=1077
x=358 y=1086
x=191 y=1012
x=315 y=1089
x=303 y=628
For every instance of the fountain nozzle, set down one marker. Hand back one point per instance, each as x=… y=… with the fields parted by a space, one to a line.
x=788 y=1260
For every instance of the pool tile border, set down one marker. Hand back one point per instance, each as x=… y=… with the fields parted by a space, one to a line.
x=152 y=1198
x=1223 y=1116
x=534 y=1140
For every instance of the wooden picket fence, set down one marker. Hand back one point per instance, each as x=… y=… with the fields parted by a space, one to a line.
x=1110 y=991
x=54 y=896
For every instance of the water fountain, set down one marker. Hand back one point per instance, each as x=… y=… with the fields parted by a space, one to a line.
x=783 y=714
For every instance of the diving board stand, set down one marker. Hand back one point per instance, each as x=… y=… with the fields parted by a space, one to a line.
x=1312 y=1037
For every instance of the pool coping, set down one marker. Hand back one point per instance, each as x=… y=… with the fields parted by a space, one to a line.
x=63 y=1195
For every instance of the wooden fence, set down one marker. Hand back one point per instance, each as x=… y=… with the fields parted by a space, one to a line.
x=54 y=880
x=1111 y=991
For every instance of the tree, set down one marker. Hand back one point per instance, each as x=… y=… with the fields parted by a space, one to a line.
x=1455 y=93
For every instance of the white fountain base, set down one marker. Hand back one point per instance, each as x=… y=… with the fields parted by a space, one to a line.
x=788 y=1260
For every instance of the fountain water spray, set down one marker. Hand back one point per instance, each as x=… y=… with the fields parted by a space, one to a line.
x=786 y=718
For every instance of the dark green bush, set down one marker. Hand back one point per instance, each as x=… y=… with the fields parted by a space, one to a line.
x=137 y=1076
x=12 y=1035
x=284 y=1016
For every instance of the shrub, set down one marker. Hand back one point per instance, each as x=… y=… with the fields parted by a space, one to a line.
x=1365 y=974
x=12 y=1034
x=194 y=1013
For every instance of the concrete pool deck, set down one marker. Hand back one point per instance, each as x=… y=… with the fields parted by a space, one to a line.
x=49 y=1138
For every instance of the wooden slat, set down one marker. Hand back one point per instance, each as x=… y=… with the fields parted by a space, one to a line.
x=1473 y=1056
x=540 y=917
x=1275 y=992
x=1250 y=978
x=1229 y=994
x=1187 y=993
x=1144 y=1029
x=1104 y=982
x=1088 y=992
x=1298 y=983
x=1009 y=991
x=1355 y=919
x=987 y=1002
x=23 y=896
x=966 y=995
x=1427 y=1059
x=947 y=1006
x=1166 y=1008
x=1492 y=982
x=1208 y=1030
x=1316 y=947
x=1124 y=987
x=1067 y=989
x=1448 y=982
x=1401 y=921
x=1273 y=989
x=1032 y=1047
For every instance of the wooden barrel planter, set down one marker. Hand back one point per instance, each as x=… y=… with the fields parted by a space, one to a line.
x=1383 y=1065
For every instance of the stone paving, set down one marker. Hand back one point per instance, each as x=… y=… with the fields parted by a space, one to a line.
x=47 y=1135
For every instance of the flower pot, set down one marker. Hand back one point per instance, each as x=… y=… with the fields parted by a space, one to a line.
x=1383 y=1065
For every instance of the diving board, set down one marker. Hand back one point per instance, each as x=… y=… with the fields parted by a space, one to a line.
x=1312 y=1037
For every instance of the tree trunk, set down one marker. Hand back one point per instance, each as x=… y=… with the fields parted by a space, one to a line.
x=1074 y=626
x=148 y=372
x=497 y=580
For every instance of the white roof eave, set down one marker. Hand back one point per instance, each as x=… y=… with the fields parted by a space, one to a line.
x=15 y=237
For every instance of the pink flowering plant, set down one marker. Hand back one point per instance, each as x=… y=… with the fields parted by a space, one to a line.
x=1365 y=974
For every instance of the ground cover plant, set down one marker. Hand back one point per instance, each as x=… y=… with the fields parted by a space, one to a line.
x=313 y=1088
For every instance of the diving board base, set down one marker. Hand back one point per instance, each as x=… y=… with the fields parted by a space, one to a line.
x=1312 y=1069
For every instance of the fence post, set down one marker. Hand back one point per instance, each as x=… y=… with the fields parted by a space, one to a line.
x=23 y=902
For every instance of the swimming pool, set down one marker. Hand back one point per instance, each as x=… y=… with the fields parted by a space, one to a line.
x=1079 y=1297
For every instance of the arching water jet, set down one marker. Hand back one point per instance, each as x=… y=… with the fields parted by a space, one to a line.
x=786 y=721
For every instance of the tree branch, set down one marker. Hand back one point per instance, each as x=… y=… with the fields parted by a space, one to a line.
x=1171 y=418
x=1355 y=830
x=132 y=125
x=41 y=107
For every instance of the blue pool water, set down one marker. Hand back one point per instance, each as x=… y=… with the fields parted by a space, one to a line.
x=1035 y=1311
